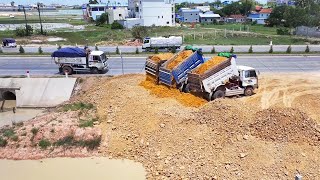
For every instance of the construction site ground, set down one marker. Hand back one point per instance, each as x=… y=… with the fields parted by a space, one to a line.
x=274 y=134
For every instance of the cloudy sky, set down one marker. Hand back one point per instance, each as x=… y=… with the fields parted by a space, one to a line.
x=74 y=2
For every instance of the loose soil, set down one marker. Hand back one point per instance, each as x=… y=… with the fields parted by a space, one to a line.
x=214 y=61
x=161 y=57
x=270 y=135
x=180 y=58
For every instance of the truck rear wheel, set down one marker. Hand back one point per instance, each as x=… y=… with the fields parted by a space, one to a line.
x=94 y=70
x=248 y=91
x=67 y=69
x=218 y=94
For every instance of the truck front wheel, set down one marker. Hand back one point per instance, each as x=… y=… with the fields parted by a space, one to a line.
x=218 y=94
x=248 y=91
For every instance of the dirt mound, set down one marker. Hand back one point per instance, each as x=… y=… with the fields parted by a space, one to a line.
x=162 y=91
x=161 y=57
x=226 y=115
x=285 y=125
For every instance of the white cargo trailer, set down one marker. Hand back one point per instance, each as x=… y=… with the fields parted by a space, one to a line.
x=162 y=43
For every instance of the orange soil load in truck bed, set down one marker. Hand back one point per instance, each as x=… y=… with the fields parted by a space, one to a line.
x=181 y=57
x=209 y=64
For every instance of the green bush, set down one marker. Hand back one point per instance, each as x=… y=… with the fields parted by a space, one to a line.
x=116 y=25
x=34 y=131
x=70 y=141
x=307 y=49
x=40 y=50
x=288 y=49
x=156 y=50
x=139 y=32
x=77 y=106
x=117 y=50
x=271 y=49
x=24 y=32
x=213 y=50
x=102 y=19
x=43 y=143
x=137 y=50
x=8 y=132
x=14 y=138
x=283 y=31
x=3 y=142
x=250 y=49
x=173 y=49
x=88 y=123
x=231 y=50
x=96 y=48
x=21 y=50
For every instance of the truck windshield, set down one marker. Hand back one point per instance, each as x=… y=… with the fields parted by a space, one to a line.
x=251 y=73
x=146 y=41
x=96 y=58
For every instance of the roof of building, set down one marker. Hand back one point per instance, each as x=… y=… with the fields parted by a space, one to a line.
x=258 y=8
x=190 y=10
x=237 y=16
x=266 y=11
x=209 y=15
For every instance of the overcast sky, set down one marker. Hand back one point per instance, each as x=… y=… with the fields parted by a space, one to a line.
x=79 y=2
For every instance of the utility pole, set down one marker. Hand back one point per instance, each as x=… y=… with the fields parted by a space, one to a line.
x=25 y=18
x=41 y=30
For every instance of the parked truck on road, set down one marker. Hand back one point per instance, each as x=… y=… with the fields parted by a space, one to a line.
x=170 y=42
x=223 y=79
x=73 y=59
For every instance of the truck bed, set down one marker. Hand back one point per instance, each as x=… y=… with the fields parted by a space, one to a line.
x=195 y=81
x=152 y=68
x=179 y=73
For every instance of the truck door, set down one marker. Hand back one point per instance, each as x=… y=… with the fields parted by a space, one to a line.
x=146 y=43
x=249 y=78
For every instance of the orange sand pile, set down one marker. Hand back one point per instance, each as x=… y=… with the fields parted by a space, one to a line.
x=161 y=57
x=162 y=91
x=181 y=57
x=209 y=64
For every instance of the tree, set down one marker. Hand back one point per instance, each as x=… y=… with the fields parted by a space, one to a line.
x=213 y=50
x=307 y=49
x=276 y=17
x=173 y=49
x=139 y=32
x=288 y=49
x=12 y=3
x=238 y=8
x=102 y=19
x=40 y=51
x=117 y=50
x=271 y=49
x=250 y=49
x=295 y=16
x=93 y=2
x=116 y=25
x=21 y=50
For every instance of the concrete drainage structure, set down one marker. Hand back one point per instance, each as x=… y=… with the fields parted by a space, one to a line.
x=36 y=92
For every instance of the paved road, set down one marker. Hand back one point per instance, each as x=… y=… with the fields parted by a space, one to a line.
x=205 y=48
x=46 y=66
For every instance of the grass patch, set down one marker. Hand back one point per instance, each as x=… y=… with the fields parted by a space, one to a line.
x=3 y=142
x=24 y=134
x=69 y=141
x=18 y=124
x=14 y=138
x=8 y=132
x=34 y=131
x=43 y=143
x=87 y=123
x=77 y=106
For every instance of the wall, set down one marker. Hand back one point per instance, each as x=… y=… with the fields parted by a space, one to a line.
x=157 y=12
x=114 y=14
x=190 y=17
x=308 y=31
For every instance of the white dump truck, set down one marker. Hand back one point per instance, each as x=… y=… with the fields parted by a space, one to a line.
x=224 y=79
x=72 y=60
x=162 y=43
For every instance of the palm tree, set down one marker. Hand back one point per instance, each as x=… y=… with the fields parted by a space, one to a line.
x=12 y=3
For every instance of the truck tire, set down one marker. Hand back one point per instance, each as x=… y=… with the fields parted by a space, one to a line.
x=218 y=94
x=248 y=91
x=67 y=69
x=186 y=88
x=94 y=70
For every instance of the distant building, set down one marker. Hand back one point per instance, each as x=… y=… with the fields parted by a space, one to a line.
x=189 y=15
x=209 y=17
x=203 y=8
x=261 y=16
x=94 y=11
x=235 y=18
x=153 y=12
x=116 y=14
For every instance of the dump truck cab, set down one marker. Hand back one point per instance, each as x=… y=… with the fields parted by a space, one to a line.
x=248 y=76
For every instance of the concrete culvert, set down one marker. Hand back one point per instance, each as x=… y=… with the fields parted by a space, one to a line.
x=8 y=95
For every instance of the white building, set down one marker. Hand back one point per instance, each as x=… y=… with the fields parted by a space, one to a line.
x=203 y=8
x=117 y=14
x=153 y=12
